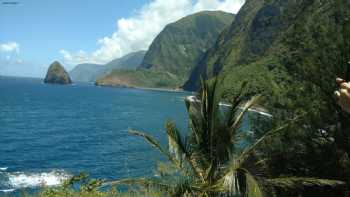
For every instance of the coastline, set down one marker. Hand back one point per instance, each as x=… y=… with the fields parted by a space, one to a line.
x=175 y=90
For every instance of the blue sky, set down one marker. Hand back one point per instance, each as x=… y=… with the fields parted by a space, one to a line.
x=36 y=32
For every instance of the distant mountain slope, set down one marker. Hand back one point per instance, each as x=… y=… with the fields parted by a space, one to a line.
x=86 y=72
x=90 y=72
x=138 y=78
x=177 y=49
x=130 y=61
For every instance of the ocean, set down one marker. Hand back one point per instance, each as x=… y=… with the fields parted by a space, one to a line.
x=50 y=132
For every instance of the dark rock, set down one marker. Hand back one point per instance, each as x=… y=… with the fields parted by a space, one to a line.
x=57 y=74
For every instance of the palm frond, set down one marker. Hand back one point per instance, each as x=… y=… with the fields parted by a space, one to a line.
x=246 y=152
x=176 y=187
x=288 y=183
x=236 y=120
x=236 y=163
x=179 y=148
x=176 y=145
x=231 y=183
x=141 y=182
x=235 y=103
x=229 y=178
x=195 y=118
x=253 y=188
x=155 y=144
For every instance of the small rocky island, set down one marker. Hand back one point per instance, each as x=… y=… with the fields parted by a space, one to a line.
x=57 y=74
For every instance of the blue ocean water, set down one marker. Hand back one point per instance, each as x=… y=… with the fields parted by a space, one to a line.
x=49 y=132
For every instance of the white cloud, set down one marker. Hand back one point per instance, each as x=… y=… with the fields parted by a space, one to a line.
x=11 y=63
x=232 y=6
x=9 y=47
x=137 y=32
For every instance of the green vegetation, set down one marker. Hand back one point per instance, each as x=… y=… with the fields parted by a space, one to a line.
x=88 y=188
x=209 y=161
x=290 y=52
x=179 y=46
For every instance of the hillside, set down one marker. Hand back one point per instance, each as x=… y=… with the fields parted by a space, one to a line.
x=130 y=61
x=90 y=72
x=86 y=72
x=138 y=78
x=179 y=46
x=274 y=40
x=290 y=52
x=177 y=49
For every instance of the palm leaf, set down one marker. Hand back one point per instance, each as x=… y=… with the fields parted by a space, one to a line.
x=155 y=144
x=195 y=118
x=246 y=152
x=236 y=120
x=176 y=146
x=302 y=182
x=235 y=103
x=253 y=188
x=179 y=148
x=141 y=182
x=178 y=187
x=236 y=163
x=234 y=188
x=231 y=183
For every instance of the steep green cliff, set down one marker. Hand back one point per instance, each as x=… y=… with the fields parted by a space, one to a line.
x=290 y=51
x=179 y=46
x=272 y=41
x=176 y=50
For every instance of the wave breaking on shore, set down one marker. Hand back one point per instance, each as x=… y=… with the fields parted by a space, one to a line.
x=11 y=181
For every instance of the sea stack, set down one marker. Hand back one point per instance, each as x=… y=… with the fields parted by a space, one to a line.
x=57 y=74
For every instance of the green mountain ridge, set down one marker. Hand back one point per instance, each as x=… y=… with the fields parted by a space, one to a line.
x=279 y=39
x=179 y=46
x=130 y=61
x=91 y=72
x=290 y=52
x=175 y=51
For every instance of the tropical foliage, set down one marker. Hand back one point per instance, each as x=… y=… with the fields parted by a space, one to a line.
x=208 y=162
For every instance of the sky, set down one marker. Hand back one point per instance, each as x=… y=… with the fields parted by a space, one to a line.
x=34 y=33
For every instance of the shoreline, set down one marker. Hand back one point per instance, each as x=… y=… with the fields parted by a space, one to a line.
x=255 y=109
x=175 y=90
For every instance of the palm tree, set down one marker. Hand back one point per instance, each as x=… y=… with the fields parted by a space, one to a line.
x=208 y=162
